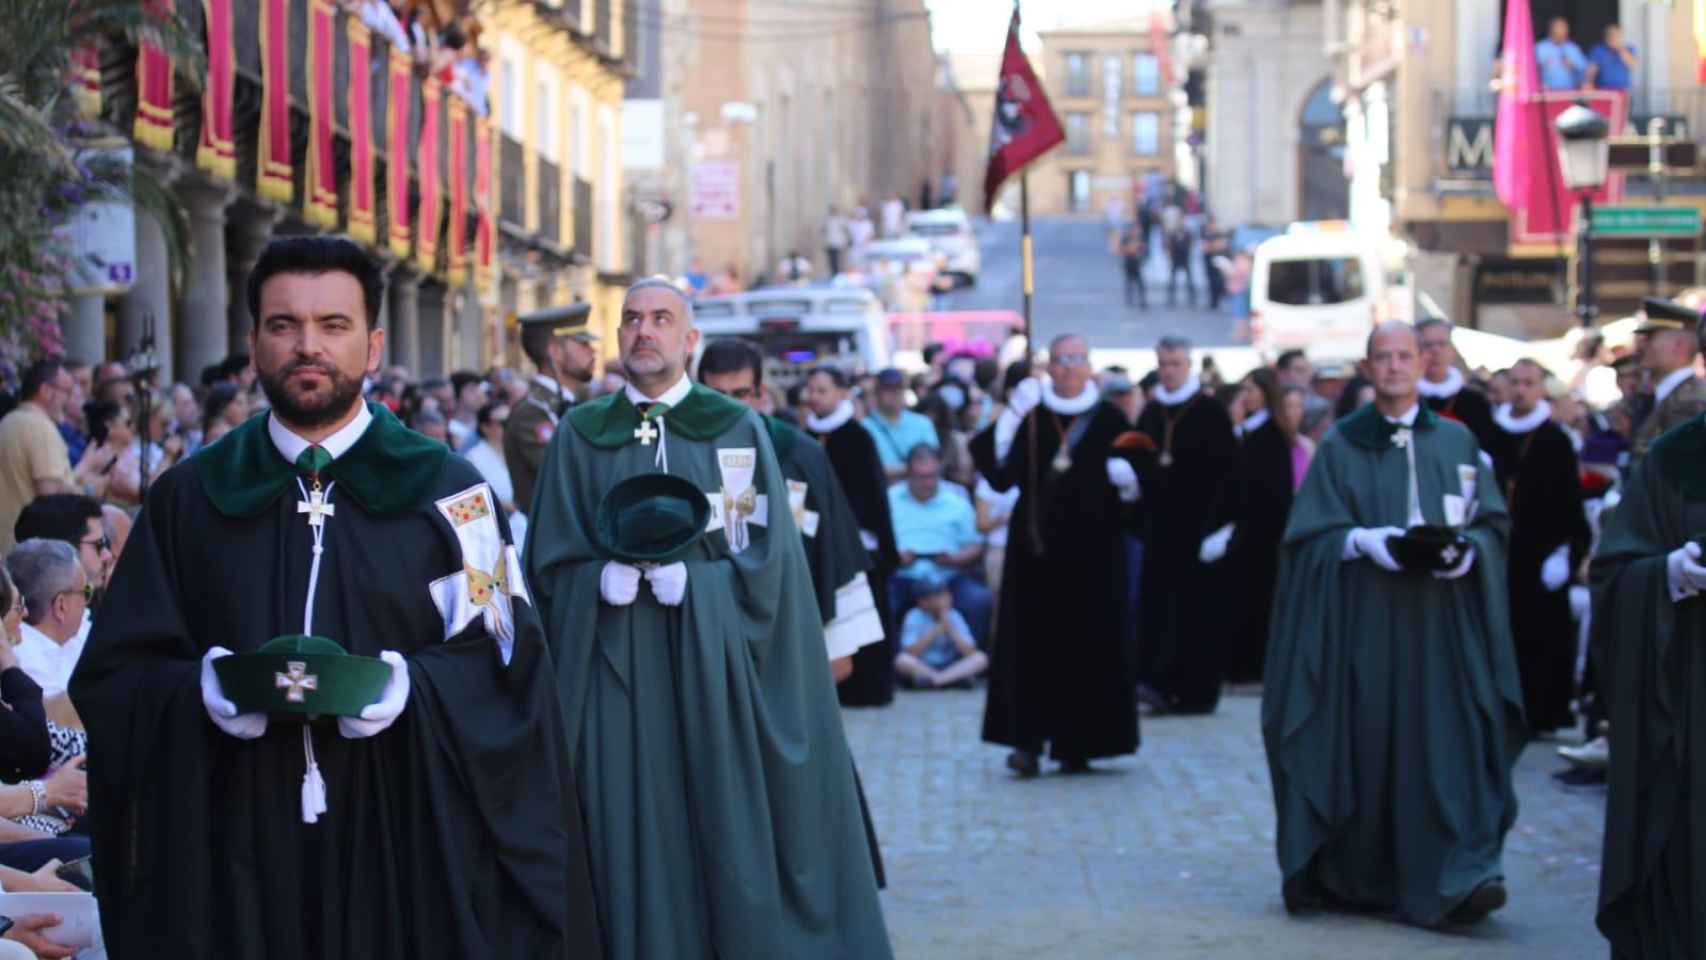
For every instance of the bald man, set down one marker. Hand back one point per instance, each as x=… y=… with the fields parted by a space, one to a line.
x=1391 y=708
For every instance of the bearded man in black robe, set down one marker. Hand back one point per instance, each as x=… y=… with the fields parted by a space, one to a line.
x=853 y=453
x=1062 y=674
x=1537 y=471
x=1182 y=619
x=1444 y=388
x=441 y=821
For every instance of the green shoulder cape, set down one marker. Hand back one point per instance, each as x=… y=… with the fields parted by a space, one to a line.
x=389 y=469
x=783 y=436
x=1679 y=455
x=610 y=420
x=1369 y=430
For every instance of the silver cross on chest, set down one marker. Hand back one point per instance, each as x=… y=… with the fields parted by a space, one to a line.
x=1401 y=437
x=316 y=507
x=296 y=681
x=646 y=432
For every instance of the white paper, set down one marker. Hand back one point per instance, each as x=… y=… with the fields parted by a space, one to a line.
x=79 y=919
x=1456 y=510
x=1466 y=476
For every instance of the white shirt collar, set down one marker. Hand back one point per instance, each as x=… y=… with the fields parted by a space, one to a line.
x=1071 y=406
x=1253 y=422
x=673 y=396
x=290 y=446
x=1510 y=423
x=554 y=386
x=1671 y=381
x=833 y=422
x=1187 y=390
x=1408 y=418
x=1448 y=387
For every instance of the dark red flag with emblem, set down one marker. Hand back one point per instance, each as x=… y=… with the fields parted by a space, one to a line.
x=1025 y=126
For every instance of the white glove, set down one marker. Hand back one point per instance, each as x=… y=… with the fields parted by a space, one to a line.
x=1555 y=572
x=376 y=717
x=669 y=583
x=1687 y=576
x=619 y=584
x=1461 y=568
x=1214 y=545
x=1124 y=479
x=223 y=713
x=1025 y=397
x=869 y=540
x=1370 y=542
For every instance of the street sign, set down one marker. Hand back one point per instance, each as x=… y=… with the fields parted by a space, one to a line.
x=1631 y=221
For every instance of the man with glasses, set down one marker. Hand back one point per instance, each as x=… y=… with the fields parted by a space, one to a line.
x=77 y=520
x=1061 y=667
x=56 y=593
x=1443 y=386
x=33 y=457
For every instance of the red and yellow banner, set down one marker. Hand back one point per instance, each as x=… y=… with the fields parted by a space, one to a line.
x=272 y=168
x=485 y=205
x=456 y=239
x=362 y=225
x=153 y=87
x=426 y=217
x=397 y=105
x=86 y=80
x=217 y=152
x=320 y=178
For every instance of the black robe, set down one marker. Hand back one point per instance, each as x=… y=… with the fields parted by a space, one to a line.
x=1539 y=477
x=1261 y=501
x=1469 y=407
x=1062 y=671
x=853 y=453
x=454 y=833
x=1182 y=611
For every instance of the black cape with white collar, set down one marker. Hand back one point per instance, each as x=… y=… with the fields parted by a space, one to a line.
x=454 y=833
x=1469 y=407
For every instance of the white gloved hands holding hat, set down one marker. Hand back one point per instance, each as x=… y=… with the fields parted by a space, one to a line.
x=669 y=583
x=619 y=583
x=223 y=713
x=375 y=718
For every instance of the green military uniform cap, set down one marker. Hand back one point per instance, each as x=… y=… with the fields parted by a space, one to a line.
x=569 y=320
x=652 y=518
x=1662 y=314
x=302 y=674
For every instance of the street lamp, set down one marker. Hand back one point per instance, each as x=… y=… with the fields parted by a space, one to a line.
x=1584 y=156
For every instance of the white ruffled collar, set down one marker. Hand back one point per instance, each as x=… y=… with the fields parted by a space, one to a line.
x=1448 y=387
x=1541 y=413
x=833 y=422
x=1171 y=398
x=1253 y=422
x=1070 y=406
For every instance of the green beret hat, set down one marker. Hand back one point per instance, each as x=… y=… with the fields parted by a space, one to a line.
x=302 y=674
x=652 y=518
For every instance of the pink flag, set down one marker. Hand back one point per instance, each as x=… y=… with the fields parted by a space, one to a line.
x=1516 y=131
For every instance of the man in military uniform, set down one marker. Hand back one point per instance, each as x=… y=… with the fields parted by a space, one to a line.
x=1672 y=340
x=559 y=342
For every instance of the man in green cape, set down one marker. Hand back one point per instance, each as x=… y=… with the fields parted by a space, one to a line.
x=721 y=811
x=1649 y=625
x=1391 y=708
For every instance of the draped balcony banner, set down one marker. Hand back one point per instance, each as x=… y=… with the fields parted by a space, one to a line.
x=272 y=168
x=217 y=152
x=153 y=87
x=86 y=80
x=362 y=225
x=320 y=180
x=426 y=217
x=485 y=205
x=456 y=239
x=398 y=100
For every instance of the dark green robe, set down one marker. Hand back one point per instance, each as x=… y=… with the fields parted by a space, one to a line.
x=1653 y=674
x=1391 y=707
x=718 y=789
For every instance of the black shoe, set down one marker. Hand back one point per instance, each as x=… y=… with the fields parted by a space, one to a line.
x=1075 y=766
x=1024 y=763
x=1484 y=899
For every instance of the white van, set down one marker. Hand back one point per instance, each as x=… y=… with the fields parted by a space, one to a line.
x=799 y=328
x=950 y=234
x=1316 y=288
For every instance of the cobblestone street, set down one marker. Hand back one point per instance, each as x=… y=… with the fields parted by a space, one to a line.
x=1168 y=854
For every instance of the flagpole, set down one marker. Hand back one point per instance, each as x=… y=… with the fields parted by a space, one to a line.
x=1025 y=264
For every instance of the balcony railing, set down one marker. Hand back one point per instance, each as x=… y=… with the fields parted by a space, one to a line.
x=583 y=217
x=512 y=196
x=550 y=202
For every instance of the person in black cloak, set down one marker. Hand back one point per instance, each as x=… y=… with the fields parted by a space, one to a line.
x=440 y=821
x=1537 y=471
x=1444 y=388
x=1182 y=620
x=853 y=453
x=1062 y=674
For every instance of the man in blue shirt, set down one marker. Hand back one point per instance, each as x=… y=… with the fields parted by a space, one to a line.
x=1558 y=59
x=896 y=429
x=935 y=532
x=1610 y=62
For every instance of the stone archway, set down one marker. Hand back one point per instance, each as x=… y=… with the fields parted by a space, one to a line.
x=1323 y=192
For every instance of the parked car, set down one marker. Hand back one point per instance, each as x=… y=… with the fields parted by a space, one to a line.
x=950 y=234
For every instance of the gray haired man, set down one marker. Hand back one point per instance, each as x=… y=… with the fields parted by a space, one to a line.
x=56 y=590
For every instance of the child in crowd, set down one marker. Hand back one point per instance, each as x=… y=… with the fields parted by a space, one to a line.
x=936 y=648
